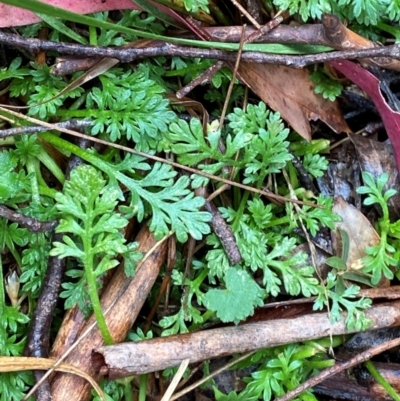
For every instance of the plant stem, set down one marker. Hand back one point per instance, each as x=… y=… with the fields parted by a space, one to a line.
x=239 y=214
x=91 y=280
x=276 y=222
x=52 y=166
x=30 y=166
x=92 y=36
x=76 y=150
x=128 y=393
x=143 y=387
x=381 y=380
x=2 y=292
x=46 y=191
x=206 y=315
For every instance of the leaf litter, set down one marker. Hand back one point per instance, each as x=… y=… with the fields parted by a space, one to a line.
x=113 y=191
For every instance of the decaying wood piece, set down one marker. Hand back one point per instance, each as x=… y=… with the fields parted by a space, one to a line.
x=330 y=33
x=343 y=387
x=342 y=38
x=72 y=325
x=392 y=292
x=126 y=297
x=126 y=359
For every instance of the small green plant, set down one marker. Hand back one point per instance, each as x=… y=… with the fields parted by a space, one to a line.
x=128 y=105
x=328 y=87
x=170 y=203
x=238 y=300
x=379 y=258
x=195 y=5
x=13 y=321
x=367 y=12
x=340 y=267
x=344 y=300
x=89 y=216
x=255 y=144
x=281 y=369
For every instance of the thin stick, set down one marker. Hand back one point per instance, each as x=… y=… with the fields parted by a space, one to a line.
x=31 y=223
x=127 y=55
x=210 y=376
x=246 y=14
x=205 y=77
x=339 y=367
x=175 y=381
x=72 y=124
x=234 y=72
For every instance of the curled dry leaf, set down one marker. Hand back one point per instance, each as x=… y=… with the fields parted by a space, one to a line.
x=291 y=92
x=357 y=226
x=360 y=231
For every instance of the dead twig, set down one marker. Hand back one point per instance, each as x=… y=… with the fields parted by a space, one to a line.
x=204 y=78
x=35 y=129
x=38 y=342
x=126 y=359
x=128 y=55
x=246 y=14
x=224 y=233
x=32 y=224
x=210 y=376
x=175 y=381
x=69 y=65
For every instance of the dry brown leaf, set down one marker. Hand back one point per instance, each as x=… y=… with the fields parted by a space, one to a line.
x=291 y=92
x=361 y=233
x=357 y=226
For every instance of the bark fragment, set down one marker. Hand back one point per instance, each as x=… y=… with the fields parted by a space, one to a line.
x=126 y=359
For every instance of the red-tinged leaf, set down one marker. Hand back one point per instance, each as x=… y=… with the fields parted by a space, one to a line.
x=14 y=16
x=370 y=85
x=169 y=16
